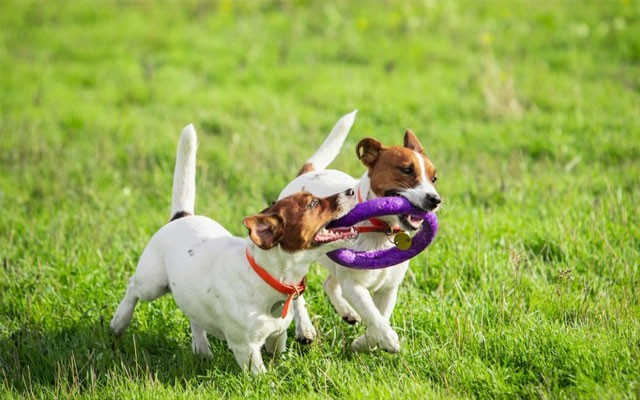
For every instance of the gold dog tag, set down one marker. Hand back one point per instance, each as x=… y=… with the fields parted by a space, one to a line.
x=276 y=309
x=402 y=240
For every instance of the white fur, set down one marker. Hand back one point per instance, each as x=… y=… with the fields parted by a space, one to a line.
x=205 y=268
x=332 y=144
x=367 y=295
x=416 y=194
x=184 y=176
x=349 y=289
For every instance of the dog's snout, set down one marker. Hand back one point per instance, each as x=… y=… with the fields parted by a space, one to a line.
x=431 y=201
x=349 y=192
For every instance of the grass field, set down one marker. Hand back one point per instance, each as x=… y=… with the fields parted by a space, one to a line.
x=529 y=110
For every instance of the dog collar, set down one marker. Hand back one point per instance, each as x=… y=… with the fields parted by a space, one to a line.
x=292 y=291
x=378 y=224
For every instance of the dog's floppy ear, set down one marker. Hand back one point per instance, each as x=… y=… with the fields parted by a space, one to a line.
x=411 y=142
x=265 y=230
x=368 y=151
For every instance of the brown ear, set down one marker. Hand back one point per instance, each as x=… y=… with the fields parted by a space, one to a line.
x=265 y=230
x=368 y=151
x=411 y=142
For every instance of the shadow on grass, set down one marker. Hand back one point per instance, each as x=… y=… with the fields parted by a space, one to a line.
x=88 y=356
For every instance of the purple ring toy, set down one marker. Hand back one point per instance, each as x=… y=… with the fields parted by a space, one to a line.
x=384 y=258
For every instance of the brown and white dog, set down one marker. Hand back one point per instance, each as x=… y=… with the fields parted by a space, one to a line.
x=236 y=289
x=368 y=295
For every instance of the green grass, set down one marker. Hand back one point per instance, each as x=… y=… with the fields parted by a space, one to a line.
x=530 y=111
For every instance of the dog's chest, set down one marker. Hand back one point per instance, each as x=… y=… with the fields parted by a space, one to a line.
x=387 y=277
x=377 y=279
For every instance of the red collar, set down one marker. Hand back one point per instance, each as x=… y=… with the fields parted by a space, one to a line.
x=292 y=291
x=378 y=224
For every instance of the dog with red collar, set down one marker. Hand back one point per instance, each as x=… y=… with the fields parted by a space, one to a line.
x=368 y=295
x=236 y=289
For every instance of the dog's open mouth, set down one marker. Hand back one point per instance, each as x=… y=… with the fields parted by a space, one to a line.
x=328 y=235
x=411 y=222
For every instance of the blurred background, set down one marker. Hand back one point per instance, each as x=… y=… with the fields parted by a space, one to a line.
x=529 y=110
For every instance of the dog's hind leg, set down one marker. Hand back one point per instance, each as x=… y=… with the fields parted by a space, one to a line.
x=124 y=313
x=200 y=343
x=147 y=284
x=333 y=290
x=305 y=331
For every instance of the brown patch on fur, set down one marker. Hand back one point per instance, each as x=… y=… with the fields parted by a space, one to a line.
x=394 y=168
x=368 y=151
x=179 y=214
x=292 y=222
x=265 y=230
x=308 y=167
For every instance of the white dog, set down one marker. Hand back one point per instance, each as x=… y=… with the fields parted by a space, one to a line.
x=368 y=295
x=236 y=289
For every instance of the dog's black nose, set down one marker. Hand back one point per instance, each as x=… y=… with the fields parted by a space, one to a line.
x=349 y=192
x=431 y=201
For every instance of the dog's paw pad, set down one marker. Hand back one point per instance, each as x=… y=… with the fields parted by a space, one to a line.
x=305 y=335
x=350 y=319
x=304 y=339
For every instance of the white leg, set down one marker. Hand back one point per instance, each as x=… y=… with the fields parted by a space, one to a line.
x=200 y=343
x=385 y=301
x=124 y=313
x=248 y=357
x=147 y=284
x=334 y=292
x=305 y=331
x=276 y=343
x=379 y=332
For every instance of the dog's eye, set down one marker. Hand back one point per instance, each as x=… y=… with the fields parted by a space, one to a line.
x=434 y=179
x=313 y=204
x=407 y=170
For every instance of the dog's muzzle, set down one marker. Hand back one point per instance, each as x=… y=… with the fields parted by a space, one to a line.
x=430 y=202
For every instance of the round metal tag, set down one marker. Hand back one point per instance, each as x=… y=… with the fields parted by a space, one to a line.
x=402 y=240
x=276 y=309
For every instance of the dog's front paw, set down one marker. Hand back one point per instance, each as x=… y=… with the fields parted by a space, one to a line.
x=389 y=341
x=117 y=326
x=305 y=334
x=386 y=339
x=350 y=316
x=362 y=345
x=258 y=370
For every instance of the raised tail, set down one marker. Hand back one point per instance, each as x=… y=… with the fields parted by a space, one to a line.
x=184 y=177
x=331 y=146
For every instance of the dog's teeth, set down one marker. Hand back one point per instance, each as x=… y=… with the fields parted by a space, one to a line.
x=330 y=235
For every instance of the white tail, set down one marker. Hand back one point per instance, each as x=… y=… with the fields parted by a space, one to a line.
x=331 y=146
x=184 y=176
